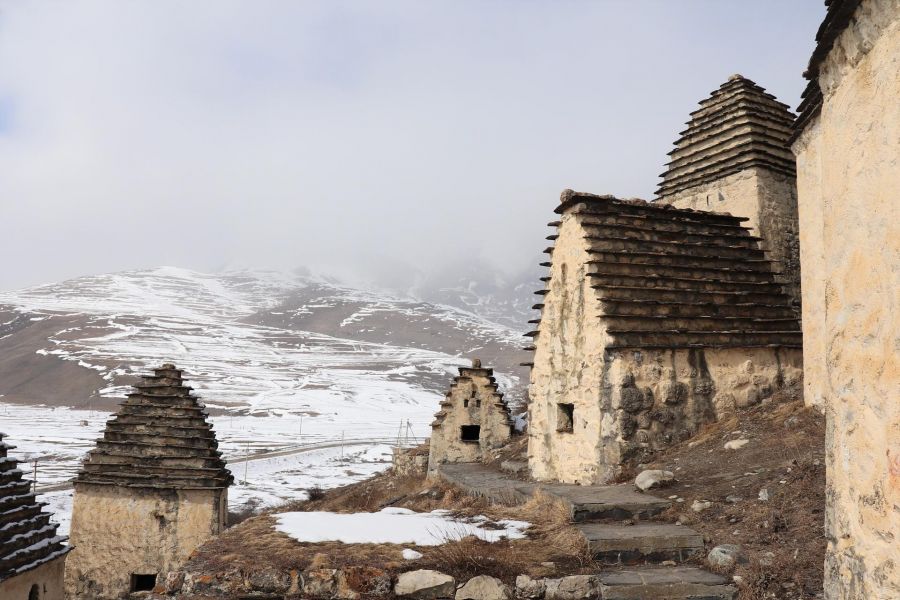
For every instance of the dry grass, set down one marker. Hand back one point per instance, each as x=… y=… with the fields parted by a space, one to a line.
x=552 y=547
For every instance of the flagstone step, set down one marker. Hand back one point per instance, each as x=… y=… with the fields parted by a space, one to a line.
x=643 y=542
x=665 y=583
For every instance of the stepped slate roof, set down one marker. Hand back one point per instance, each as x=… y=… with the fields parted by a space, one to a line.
x=738 y=126
x=678 y=278
x=838 y=15
x=160 y=438
x=27 y=537
x=465 y=375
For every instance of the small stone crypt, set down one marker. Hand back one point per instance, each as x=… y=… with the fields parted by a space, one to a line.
x=473 y=419
x=32 y=556
x=654 y=321
x=152 y=491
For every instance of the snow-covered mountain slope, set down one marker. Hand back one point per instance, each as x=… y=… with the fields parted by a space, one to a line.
x=248 y=340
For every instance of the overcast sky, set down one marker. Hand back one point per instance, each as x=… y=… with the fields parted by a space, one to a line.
x=347 y=135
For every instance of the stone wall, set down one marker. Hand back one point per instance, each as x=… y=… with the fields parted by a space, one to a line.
x=119 y=531
x=472 y=401
x=48 y=578
x=410 y=462
x=849 y=177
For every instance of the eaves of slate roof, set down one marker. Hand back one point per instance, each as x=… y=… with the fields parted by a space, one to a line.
x=27 y=537
x=838 y=15
x=739 y=126
x=672 y=278
x=159 y=438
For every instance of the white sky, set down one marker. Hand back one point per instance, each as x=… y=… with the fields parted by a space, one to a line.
x=346 y=135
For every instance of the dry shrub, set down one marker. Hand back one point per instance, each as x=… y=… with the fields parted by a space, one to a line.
x=472 y=556
x=315 y=493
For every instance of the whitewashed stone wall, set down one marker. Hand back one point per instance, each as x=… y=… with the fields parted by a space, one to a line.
x=849 y=191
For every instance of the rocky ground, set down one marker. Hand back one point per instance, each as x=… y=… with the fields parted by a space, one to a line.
x=752 y=485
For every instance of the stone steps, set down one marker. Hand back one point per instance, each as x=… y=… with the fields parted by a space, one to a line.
x=613 y=543
x=641 y=543
x=665 y=583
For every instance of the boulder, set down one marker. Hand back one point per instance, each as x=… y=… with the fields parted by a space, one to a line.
x=320 y=583
x=356 y=581
x=484 y=587
x=174 y=582
x=647 y=480
x=724 y=555
x=530 y=589
x=269 y=580
x=700 y=505
x=736 y=444
x=425 y=584
x=574 y=587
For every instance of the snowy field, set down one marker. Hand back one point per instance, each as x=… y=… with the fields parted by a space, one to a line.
x=313 y=456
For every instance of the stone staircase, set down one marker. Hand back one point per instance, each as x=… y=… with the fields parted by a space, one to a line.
x=632 y=555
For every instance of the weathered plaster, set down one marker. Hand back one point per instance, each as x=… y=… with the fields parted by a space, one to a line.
x=569 y=364
x=117 y=531
x=48 y=577
x=848 y=182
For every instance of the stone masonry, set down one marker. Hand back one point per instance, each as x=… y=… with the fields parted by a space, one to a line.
x=654 y=320
x=152 y=491
x=473 y=419
x=32 y=556
x=735 y=157
x=847 y=143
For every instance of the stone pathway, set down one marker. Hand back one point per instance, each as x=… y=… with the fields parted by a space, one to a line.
x=633 y=552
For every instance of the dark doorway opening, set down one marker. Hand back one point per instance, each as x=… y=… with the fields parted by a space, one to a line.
x=565 y=417
x=143 y=582
x=469 y=433
x=34 y=593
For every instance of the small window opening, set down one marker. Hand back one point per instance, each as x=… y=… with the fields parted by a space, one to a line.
x=34 y=593
x=469 y=433
x=466 y=403
x=478 y=403
x=143 y=582
x=565 y=417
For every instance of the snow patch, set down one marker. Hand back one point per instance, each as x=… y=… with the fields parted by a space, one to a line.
x=394 y=526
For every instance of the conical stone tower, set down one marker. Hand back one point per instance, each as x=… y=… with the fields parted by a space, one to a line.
x=735 y=157
x=152 y=491
x=32 y=556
